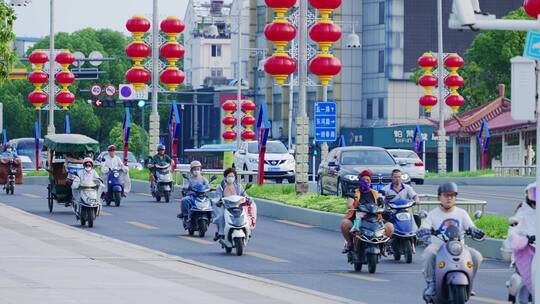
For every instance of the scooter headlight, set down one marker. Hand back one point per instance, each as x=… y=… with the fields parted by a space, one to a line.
x=116 y=174
x=379 y=233
x=455 y=248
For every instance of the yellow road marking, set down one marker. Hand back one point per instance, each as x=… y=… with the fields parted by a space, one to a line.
x=294 y=224
x=487 y=300
x=197 y=240
x=142 y=225
x=266 y=257
x=30 y=195
x=361 y=277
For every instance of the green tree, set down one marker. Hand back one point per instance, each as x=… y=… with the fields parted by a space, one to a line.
x=7 y=55
x=81 y=111
x=487 y=62
x=116 y=137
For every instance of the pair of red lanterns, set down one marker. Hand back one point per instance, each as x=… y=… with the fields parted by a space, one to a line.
x=138 y=50
x=65 y=78
x=281 y=32
x=453 y=81
x=230 y=121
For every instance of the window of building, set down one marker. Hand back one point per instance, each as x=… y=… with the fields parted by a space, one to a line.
x=381 y=107
x=381 y=12
x=216 y=50
x=381 y=61
x=216 y=72
x=369 y=109
x=261 y=18
x=206 y=122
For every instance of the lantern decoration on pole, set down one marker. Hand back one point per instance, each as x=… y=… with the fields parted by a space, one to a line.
x=427 y=62
x=138 y=50
x=172 y=76
x=65 y=78
x=229 y=120
x=325 y=32
x=453 y=81
x=248 y=120
x=280 y=32
x=38 y=78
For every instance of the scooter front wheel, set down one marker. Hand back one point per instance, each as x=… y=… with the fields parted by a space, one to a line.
x=117 y=198
x=458 y=294
x=372 y=262
x=82 y=215
x=239 y=245
x=408 y=251
x=167 y=196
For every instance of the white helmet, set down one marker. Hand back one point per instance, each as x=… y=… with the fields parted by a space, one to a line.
x=88 y=160
x=194 y=164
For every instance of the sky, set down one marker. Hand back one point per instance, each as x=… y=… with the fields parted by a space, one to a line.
x=72 y=15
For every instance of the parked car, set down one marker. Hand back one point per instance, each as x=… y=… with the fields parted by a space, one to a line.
x=26 y=146
x=411 y=164
x=132 y=161
x=338 y=174
x=27 y=163
x=279 y=163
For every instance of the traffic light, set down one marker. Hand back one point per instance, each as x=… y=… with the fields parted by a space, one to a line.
x=103 y=102
x=314 y=150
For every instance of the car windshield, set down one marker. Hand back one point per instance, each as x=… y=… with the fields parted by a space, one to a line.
x=27 y=147
x=131 y=157
x=271 y=147
x=404 y=154
x=367 y=157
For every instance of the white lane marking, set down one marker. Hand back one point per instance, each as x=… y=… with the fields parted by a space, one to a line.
x=30 y=195
x=487 y=300
x=142 y=225
x=196 y=240
x=104 y=213
x=143 y=194
x=361 y=277
x=294 y=224
x=266 y=257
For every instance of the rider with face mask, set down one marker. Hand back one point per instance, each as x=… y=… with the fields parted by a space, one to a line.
x=195 y=178
x=229 y=186
x=10 y=152
x=88 y=175
x=157 y=159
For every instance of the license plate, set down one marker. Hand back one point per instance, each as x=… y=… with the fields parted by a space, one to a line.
x=403 y=216
x=273 y=169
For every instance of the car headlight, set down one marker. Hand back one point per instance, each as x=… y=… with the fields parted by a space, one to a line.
x=253 y=160
x=290 y=161
x=351 y=177
x=455 y=248
x=405 y=176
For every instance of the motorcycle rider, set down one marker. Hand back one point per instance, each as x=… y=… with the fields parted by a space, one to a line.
x=111 y=161
x=157 y=159
x=86 y=175
x=437 y=220
x=229 y=186
x=399 y=190
x=363 y=195
x=195 y=177
x=9 y=152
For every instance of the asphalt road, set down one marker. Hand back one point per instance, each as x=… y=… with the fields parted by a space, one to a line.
x=502 y=200
x=283 y=251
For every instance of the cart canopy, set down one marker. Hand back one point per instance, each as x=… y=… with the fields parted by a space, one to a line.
x=68 y=143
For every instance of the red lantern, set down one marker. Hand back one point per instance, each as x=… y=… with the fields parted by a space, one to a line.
x=325 y=33
x=280 y=3
x=38 y=78
x=427 y=61
x=280 y=66
x=248 y=106
x=325 y=66
x=38 y=58
x=65 y=98
x=229 y=120
x=138 y=51
x=248 y=135
x=280 y=33
x=229 y=135
x=453 y=81
x=325 y=7
x=65 y=79
x=37 y=98
x=428 y=81
x=428 y=101
x=172 y=51
x=65 y=58
x=138 y=25
x=455 y=101
x=172 y=77
x=229 y=106
x=172 y=26
x=248 y=120
x=453 y=62
x=532 y=8
x=138 y=76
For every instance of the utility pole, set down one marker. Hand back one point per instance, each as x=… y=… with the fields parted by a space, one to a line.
x=239 y=78
x=50 y=128
x=154 y=115
x=440 y=68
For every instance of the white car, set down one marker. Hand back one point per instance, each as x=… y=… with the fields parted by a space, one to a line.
x=279 y=163
x=410 y=164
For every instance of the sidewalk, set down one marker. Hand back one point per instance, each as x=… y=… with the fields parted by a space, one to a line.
x=42 y=261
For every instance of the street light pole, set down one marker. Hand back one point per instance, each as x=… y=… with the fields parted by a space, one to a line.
x=239 y=79
x=50 y=128
x=440 y=69
x=154 y=115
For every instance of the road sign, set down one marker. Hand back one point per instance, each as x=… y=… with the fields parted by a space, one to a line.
x=128 y=93
x=325 y=121
x=95 y=90
x=532 y=45
x=110 y=90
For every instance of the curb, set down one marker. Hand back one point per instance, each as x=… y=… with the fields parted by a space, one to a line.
x=483 y=181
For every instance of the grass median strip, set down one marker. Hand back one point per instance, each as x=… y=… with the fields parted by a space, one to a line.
x=142 y=225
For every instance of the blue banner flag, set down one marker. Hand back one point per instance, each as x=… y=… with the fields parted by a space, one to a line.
x=67 y=128
x=418 y=139
x=484 y=136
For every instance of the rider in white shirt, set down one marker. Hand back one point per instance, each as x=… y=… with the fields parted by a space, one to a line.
x=111 y=161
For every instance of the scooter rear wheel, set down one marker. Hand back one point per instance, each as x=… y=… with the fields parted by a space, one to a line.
x=358 y=267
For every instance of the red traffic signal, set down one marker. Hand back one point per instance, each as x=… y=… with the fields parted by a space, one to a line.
x=98 y=103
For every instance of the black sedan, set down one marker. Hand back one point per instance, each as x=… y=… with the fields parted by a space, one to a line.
x=338 y=174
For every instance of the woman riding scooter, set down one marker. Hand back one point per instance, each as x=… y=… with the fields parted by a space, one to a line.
x=195 y=178
x=111 y=162
x=229 y=186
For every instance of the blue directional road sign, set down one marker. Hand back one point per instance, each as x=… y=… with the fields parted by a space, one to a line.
x=325 y=121
x=532 y=45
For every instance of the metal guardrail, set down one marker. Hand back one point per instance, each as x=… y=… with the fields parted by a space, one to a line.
x=515 y=170
x=429 y=202
x=244 y=176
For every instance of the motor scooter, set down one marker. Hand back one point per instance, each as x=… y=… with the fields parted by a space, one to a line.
x=238 y=224
x=115 y=188
x=163 y=185
x=200 y=211
x=12 y=173
x=89 y=206
x=403 y=241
